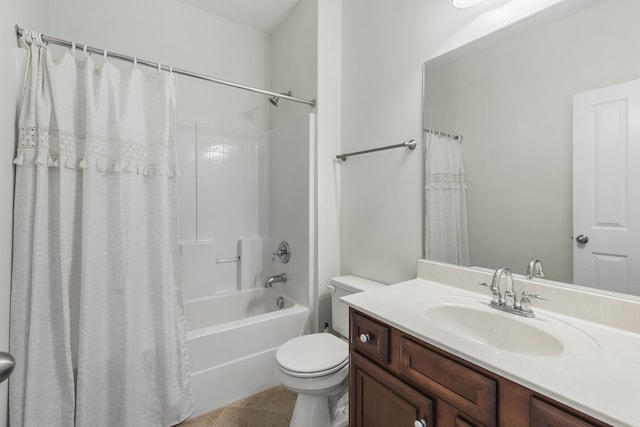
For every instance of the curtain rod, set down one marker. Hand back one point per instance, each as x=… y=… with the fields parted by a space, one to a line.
x=60 y=42
x=449 y=135
x=409 y=144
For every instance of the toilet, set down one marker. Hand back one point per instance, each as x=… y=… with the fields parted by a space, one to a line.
x=316 y=366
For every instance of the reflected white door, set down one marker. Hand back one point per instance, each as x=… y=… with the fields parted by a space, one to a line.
x=606 y=188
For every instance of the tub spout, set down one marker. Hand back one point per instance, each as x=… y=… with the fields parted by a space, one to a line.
x=278 y=278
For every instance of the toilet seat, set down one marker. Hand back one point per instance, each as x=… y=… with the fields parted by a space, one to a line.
x=314 y=374
x=313 y=355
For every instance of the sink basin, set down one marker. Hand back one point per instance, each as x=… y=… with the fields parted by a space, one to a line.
x=504 y=331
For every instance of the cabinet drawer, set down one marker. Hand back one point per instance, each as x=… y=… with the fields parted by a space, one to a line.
x=376 y=337
x=543 y=415
x=472 y=393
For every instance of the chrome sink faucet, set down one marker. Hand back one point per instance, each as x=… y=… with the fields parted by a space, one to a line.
x=507 y=301
x=278 y=278
x=499 y=300
x=496 y=300
x=534 y=269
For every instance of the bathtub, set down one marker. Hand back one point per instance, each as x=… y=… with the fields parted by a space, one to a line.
x=232 y=341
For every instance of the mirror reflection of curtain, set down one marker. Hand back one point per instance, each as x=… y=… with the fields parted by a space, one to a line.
x=97 y=325
x=446 y=229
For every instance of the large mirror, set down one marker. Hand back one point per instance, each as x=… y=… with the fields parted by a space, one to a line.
x=511 y=96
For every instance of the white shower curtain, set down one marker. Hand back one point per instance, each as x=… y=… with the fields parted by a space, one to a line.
x=446 y=229
x=97 y=325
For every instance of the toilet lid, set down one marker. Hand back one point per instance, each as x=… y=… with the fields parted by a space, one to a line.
x=313 y=353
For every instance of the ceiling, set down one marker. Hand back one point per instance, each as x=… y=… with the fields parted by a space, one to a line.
x=264 y=15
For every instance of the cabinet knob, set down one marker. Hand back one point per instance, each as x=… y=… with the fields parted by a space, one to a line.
x=420 y=423
x=365 y=337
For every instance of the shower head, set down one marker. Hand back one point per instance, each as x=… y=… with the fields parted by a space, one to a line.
x=274 y=99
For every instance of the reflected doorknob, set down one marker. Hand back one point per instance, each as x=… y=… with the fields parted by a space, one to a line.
x=582 y=239
x=7 y=362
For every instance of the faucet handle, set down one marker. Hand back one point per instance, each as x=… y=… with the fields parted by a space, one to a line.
x=525 y=301
x=495 y=291
x=283 y=252
x=492 y=287
x=526 y=294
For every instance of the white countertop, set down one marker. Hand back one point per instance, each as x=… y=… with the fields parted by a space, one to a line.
x=598 y=373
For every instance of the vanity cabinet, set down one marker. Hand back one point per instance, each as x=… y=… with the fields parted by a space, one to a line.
x=398 y=380
x=384 y=401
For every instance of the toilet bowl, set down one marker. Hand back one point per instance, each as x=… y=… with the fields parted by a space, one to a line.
x=316 y=366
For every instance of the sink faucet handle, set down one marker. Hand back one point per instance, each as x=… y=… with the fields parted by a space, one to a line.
x=495 y=291
x=491 y=286
x=525 y=301
x=526 y=294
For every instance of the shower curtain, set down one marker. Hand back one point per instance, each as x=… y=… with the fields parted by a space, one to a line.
x=446 y=230
x=97 y=326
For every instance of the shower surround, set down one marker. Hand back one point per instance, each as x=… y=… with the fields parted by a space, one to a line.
x=241 y=192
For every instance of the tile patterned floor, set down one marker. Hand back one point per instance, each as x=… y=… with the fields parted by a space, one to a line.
x=271 y=408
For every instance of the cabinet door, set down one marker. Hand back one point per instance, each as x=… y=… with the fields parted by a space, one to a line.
x=380 y=400
x=545 y=415
x=462 y=423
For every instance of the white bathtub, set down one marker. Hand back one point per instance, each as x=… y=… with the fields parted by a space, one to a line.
x=232 y=342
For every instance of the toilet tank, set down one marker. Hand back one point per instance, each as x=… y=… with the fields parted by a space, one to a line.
x=346 y=285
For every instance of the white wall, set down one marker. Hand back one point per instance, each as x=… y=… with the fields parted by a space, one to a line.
x=289 y=206
x=293 y=67
x=384 y=45
x=185 y=37
x=294 y=63
x=306 y=58
x=328 y=145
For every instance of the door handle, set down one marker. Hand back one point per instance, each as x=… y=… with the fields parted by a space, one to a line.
x=7 y=363
x=582 y=239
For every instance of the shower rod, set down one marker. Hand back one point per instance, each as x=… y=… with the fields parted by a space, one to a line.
x=445 y=134
x=411 y=144
x=60 y=42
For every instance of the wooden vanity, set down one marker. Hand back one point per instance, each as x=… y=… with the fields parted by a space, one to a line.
x=399 y=380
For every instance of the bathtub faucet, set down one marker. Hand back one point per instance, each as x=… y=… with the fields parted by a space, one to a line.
x=278 y=278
